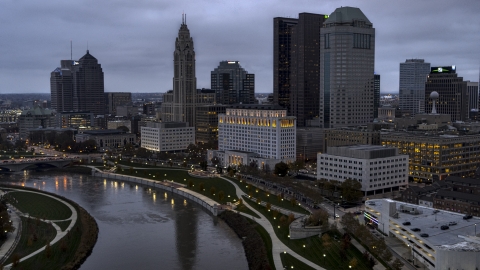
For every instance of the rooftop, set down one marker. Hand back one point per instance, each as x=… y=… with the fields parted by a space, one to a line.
x=429 y=221
x=347 y=14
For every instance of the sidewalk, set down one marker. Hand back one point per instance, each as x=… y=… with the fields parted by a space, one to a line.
x=277 y=245
x=10 y=242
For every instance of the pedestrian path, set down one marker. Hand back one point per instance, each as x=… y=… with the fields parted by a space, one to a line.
x=277 y=245
x=59 y=233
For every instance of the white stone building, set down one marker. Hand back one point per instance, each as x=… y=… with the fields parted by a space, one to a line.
x=379 y=169
x=265 y=132
x=167 y=136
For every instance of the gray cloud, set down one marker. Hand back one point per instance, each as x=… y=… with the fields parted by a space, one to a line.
x=134 y=40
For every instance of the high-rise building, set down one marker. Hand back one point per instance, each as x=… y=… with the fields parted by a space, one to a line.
x=206 y=127
x=413 y=75
x=296 y=60
x=347 y=60
x=376 y=94
x=282 y=46
x=233 y=84
x=88 y=87
x=184 y=80
x=61 y=87
x=114 y=99
x=472 y=89
x=452 y=91
x=305 y=67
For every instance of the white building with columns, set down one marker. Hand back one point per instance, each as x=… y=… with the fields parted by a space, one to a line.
x=259 y=133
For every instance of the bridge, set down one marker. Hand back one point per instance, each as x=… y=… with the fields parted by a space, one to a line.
x=17 y=165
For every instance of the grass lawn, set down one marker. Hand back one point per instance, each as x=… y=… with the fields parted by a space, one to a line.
x=60 y=253
x=266 y=239
x=38 y=205
x=63 y=224
x=267 y=197
x=290 y=262
x=314 y=249
x=182 y=177
x=35 y=234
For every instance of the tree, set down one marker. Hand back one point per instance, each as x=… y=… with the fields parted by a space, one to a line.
x=221 y=195
x=291 y=218
x=349 y=222
x=190 y=183
x=353 y=263
x=215 y=161
x=281 y=169
x=268 y=206
x=326 y=241
x=283 y=220
x=48 y=250
x=201 y=186
x=293 y=201
x=351 y=190
x=123 y=128
x=397 y=264
x=213 y=190
x=387 y=255
x=203 y=165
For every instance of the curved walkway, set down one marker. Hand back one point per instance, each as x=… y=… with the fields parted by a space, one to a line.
x=60 y=234
x=277 y=245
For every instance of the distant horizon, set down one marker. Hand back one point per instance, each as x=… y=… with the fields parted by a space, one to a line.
x=43 y=93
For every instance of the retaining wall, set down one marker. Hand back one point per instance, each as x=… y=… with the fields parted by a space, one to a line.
x=214 y=209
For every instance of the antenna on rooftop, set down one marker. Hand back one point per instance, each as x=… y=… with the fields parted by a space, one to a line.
x=71 y=51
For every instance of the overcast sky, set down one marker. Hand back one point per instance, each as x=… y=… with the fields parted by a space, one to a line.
x=134 y=39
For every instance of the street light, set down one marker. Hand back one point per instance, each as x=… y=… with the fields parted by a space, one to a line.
x=324 y=259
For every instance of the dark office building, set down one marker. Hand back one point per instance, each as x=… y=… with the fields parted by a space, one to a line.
x=376 y=94
x=88 y=88
x=305 y=67
x=114 y=99
x=206 y=127
x=282 y=46
x=61 y=87
x=233 y=84
x=149 y=108
x=452 y=90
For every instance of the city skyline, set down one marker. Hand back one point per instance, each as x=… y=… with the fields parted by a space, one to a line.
x=135 y=43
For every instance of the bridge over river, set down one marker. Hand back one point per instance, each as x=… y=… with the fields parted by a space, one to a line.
x=17 y=165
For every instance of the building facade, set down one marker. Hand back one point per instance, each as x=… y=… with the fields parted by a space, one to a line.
x=376 y=94
x=120 y=123
x=452 y=90
x=107 y=139
x=206 y=128
x=115 y=99
x=35 y=118
x=473 y=98
x=377 y=168
x=61 y=87
x=413 y=75
x=305 y=67
x=309 y=143
x=233 y=84
x=77 y=120
x=347 y=61
x=350 y=136
x=167 y=136
x=434 y=157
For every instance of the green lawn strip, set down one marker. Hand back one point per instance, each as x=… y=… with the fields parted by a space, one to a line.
x=265 y=196
x=313 y=249
x=266 y=239
x=63 y=224
x=242 y=208
x=38 y=205
x=35 y=234
x=290 y=262
x=182 y=177
x=60 y=253
x=151 y=164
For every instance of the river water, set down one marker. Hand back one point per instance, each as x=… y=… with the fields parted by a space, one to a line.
x=142 y=228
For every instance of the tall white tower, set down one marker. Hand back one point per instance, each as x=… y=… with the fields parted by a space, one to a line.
x=434 y=96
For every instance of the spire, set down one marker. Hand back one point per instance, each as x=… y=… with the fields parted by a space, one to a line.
x=183 y=18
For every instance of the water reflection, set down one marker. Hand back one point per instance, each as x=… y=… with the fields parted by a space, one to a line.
x=140 y=226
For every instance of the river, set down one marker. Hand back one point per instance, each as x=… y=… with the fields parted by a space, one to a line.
x=142 y=228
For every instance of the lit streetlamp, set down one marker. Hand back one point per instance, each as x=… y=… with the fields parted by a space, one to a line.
x=324 y=258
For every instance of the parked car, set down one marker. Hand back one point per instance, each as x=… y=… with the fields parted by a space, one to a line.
x=424 y=235
x=416 y=229
x=467 y=217
x=406 y=223
x=444 y=227
x=451 y=223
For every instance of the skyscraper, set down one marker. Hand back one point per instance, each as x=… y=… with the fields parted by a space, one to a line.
x=88 y=87
x=376 y=94
x=61 y=87
x=452 y=91
x=296 y=61
x=472 y=88
x=305 y=67
x=114 y=99
x=233 y=84
x=282 y=45
x=413 y=75
x=347 y=60
x=184 y=80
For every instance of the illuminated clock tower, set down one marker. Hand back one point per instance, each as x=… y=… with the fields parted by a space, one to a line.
x=184 y=80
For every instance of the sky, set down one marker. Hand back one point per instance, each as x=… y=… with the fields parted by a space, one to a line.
x=134 y=40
